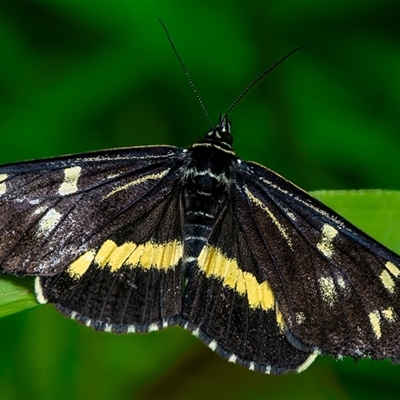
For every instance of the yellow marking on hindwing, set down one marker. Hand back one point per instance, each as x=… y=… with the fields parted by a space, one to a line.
x=375 y=320
x=328 y=291
x=77 y=268
x=279 y=320
x=49 y=221
x=280 y=227
x=137 y=182
x=215 y=264
x=325 y=245
x=147 y=255
x=3 y=185
x=387 y=281
x=70 y=184
x=389 y=314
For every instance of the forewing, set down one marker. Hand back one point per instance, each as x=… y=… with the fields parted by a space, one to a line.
x=338 y=289
x=54 y=210
x=230 y=305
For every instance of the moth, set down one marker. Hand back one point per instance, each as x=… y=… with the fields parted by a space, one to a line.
x=142 y=238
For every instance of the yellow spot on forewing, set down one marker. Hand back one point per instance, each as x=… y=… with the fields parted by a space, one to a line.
x=215 y=264
x=49 y=221
x=325 y=245
x=375 y=320
x=393 y=269
x=81 y=264
x=280 y=227
x=3 y=186
x=328 y=291
x=146 y=256
x=387 y=281
x=70 y=184
x=137 y=182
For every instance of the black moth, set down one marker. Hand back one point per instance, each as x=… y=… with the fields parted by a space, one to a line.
x=138 y=239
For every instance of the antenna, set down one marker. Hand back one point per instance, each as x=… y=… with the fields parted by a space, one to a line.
x=259 y=78
x=186 y=73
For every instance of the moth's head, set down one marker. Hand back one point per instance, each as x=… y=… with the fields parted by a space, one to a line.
x=221 y=132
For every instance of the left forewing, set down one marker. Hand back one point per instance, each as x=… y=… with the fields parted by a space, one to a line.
x=52 y=211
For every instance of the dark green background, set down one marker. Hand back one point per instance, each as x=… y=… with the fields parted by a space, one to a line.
x=77 y=76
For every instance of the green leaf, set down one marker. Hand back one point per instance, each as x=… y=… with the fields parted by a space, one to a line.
x=376 y=212
x=16 y=294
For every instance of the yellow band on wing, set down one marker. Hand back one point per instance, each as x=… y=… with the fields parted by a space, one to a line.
x=215 y=264
x=162 y=256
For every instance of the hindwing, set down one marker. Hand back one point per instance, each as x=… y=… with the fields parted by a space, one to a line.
x=337 y=288
x=132 y=280
x=230 y=304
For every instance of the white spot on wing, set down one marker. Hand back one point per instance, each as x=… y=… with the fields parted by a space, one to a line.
x=341 y=282
x=308 y=362
x=39 y=210
x=40 y=297
x=325 y=245
x=131 y=329
x=196 y=332
x=3 y=186
x=232 y=358
x=300 y=318
x=49 y=221
x=70 y=184
x=213 y=345
x=328 y=291
x=153 y=328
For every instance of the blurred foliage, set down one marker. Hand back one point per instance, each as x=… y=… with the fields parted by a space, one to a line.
x=77 y=76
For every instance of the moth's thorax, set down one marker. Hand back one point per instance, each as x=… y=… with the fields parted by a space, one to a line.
x=206 y=185
x=210 y=167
